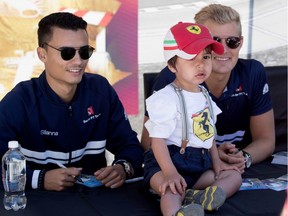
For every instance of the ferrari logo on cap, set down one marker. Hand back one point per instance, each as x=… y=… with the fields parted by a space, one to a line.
x=194 y=29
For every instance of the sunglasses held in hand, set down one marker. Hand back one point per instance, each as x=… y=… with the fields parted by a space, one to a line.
x=67 y=53
x=231 y=42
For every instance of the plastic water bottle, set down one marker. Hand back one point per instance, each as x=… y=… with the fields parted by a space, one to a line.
x=14 y=177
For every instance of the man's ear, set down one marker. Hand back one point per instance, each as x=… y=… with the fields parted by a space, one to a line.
x=41 y=54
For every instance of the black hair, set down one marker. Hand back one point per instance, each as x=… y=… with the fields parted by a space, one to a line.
x=172 y=61
x=62 y=20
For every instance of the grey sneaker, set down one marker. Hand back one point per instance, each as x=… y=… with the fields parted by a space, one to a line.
x=190 y=210
x=210 y=199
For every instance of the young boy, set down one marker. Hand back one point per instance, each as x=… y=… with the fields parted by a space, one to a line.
x=181 y=124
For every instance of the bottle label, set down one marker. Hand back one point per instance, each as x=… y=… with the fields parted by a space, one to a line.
x=15 y=168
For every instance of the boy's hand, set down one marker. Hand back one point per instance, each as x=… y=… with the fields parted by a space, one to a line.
x=175 y=182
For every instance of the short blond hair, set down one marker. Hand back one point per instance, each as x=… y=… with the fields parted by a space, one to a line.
x=219 y=14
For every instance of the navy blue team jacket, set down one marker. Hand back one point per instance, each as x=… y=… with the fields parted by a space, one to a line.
x=74 y=134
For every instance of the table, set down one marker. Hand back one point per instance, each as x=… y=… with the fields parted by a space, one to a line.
x=131 y=199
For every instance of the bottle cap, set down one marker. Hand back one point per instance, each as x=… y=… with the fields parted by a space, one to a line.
x=13 y=144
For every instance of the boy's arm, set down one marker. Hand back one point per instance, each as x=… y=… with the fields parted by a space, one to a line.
x=145 y=139
x=172 y=178
x=215 y=159
x=162 y=156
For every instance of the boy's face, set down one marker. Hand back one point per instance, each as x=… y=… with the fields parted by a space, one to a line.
x=191 y=73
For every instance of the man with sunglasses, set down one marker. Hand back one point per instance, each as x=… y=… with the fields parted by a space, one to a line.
x=245 y=128
x=66 y=117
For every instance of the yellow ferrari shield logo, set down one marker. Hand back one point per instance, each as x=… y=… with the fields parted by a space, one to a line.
x=202 y=126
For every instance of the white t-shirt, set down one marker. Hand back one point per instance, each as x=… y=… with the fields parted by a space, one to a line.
x=165 y=120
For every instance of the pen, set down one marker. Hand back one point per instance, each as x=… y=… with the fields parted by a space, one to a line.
x=63 y=166
x=134 y=179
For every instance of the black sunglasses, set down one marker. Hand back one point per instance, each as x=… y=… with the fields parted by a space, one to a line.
x=67 y=53
x=231 y=42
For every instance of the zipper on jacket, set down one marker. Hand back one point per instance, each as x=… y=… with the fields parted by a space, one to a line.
x=70 y=111
x=70 y=115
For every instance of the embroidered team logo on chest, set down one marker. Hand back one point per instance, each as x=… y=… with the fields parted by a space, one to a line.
x=91 y=115
x=90 y=111
x=239 y=91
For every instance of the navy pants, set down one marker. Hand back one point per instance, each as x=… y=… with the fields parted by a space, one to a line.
x=190 y=165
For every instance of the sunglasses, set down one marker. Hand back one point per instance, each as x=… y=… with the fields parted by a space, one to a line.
x=67 y=53
x=231 y=42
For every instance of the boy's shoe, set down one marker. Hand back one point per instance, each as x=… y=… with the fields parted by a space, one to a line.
x=210 y=199
x=190 y=210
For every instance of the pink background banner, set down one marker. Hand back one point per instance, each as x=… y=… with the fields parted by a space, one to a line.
x=122 y=46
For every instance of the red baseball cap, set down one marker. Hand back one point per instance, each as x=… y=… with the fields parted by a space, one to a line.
x=187 y=40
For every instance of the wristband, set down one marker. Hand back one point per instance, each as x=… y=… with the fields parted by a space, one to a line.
x=41 y=179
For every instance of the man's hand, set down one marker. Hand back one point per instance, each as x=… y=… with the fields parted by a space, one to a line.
x=226 y=166
x=230 y=155
x=60 y=179
x=111 y=176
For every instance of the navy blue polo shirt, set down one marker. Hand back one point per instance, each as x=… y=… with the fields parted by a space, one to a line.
x=246 y=94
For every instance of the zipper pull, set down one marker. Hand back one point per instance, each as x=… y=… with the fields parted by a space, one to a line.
x=70 y=110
